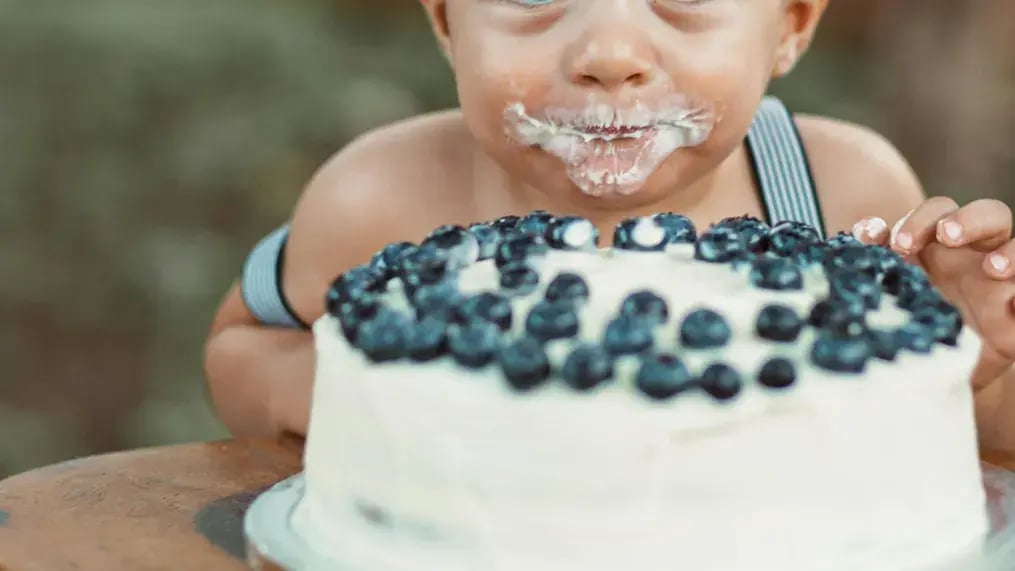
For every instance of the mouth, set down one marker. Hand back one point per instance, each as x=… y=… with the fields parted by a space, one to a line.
x=610 y=131
x=607 y=150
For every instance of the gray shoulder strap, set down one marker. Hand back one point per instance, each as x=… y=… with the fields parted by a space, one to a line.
x=780 y=164
x=261 y=284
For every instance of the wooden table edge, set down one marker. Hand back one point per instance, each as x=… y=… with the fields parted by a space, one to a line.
x=172 y=507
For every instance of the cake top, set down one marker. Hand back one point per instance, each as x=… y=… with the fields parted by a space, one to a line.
x=670 y=307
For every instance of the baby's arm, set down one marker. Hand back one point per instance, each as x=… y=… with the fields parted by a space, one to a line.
x=260 y=377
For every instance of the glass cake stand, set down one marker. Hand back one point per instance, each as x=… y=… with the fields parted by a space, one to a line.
x=273 y=544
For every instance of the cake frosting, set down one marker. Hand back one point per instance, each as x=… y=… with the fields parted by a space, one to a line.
x=690 y=453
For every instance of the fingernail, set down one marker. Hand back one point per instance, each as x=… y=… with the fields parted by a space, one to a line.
x=898 y=226
x=904 y=240
x=876 y=227
x=999 y=263
x=952 y=230
x=869 y=229
x=860 y=229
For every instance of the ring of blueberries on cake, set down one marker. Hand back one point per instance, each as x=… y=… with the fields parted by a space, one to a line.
x=408 y=304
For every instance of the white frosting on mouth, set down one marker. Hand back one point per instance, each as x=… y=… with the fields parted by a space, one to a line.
x=422 y=467
x=608 y=149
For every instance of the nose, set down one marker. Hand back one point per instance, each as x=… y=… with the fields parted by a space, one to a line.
x=612 y=57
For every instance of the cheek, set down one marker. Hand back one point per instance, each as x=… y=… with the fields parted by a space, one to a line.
x=497 y=71
x=724 y=63
x=731 y=72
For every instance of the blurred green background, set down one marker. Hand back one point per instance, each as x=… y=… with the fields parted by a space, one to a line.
x=146 y=145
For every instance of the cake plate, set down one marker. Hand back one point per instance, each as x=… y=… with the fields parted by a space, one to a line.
x=273 y=544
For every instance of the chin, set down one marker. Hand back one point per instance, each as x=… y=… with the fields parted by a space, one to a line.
x=673 y=177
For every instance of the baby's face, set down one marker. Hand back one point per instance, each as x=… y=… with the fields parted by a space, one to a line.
x=620 y=100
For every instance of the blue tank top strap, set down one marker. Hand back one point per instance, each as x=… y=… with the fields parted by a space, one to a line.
x=261 y=283
x=781 y=168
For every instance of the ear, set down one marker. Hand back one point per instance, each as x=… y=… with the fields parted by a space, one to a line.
x=437 y=12
x=800 y=18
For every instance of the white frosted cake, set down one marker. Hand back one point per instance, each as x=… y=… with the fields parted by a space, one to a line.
x=512 y=397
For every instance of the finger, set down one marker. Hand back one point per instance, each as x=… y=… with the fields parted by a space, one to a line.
x=871 y=230
x=983 y=225
x=988 y=307
x=998 y=264
x=996 y=319
x=918 y=228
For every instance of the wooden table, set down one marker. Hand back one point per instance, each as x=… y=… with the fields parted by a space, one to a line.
x=178 y=507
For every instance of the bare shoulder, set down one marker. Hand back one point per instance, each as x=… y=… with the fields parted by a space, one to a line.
x=392 y=184
x=858 y=172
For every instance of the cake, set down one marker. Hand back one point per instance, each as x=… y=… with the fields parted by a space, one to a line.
x=513 y=396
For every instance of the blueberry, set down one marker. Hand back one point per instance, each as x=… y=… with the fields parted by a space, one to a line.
x=917 y=298
x=351 y=314
x=750 y=231
x=549 y=320
x=887 y=258
x=461 y=246
x=353 y=283
x=915 y=337
x=473 y=345
x=506 y=225
x=776 y=274
x=721 y=381
x=746 y=260
x=487 y=237
x=441 y=300
x=704 y=329
x=808 y=255
x=336 y=297
x=904 y=277
x=884 y=344
x=856 y=258
x=646 y=305
x=569 y=287
x=535 y=223
x=855 y=287
x=518 y=279
x=843 y=317
x=520 y=248
x=944 y=321
x=386 y=262
x=572 y=233
x=423 y=265
x=744 y=222
x=718 y=247
x=777 y=373
x=777 y=322
x=679 y=229
x=524 y=363
x=427 y=339
x=385 y=336
x=841 y=354
x=840 y=240
x=586 y=367
x=789 y=237
x=663 y=376
x=641 y=234
x=488 y=306
x=627 y=335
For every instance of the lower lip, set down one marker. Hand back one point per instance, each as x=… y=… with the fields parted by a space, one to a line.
x=602 y=167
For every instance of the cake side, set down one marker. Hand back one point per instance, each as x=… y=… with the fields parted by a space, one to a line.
x=862 y=460
x=486 y=475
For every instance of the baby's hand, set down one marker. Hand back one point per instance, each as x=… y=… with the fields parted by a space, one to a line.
x=968 y=253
